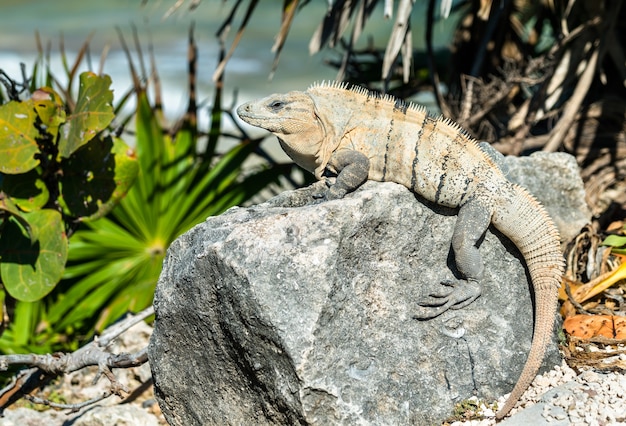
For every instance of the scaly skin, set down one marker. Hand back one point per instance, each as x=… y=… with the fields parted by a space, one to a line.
x=357 y=135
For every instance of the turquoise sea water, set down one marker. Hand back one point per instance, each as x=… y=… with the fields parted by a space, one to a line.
x=247 y=71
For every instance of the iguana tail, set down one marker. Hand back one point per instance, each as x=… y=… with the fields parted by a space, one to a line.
x=524 y=220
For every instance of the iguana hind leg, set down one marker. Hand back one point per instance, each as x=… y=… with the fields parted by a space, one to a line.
x=472 y=222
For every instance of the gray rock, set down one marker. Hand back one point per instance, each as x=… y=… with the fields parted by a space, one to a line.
x=554 y=178
x=535 y=414
x=27 y=417
x=297 y=313
x=118 y=415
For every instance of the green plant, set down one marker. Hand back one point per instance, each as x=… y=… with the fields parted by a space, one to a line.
x=58 y=167
x=114 y=262
x=469 y=409
x=617 y=242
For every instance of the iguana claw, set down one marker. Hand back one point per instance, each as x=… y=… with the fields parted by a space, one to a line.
x=457 y=295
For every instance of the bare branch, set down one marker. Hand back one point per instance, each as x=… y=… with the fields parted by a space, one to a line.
x=573 y=104
x=398 y=36
x=434 y=75
x=72 y=407
x=49 y=366
x=222 y=65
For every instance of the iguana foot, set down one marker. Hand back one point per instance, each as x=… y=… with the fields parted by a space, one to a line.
x=453 y=295
x=329 y=195
x=331 y=192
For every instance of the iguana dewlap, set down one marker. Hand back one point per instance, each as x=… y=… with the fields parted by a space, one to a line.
x=356 y=135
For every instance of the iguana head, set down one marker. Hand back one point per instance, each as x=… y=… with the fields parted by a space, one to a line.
x=294 y=119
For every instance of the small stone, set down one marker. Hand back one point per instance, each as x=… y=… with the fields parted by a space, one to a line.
x=543 y=381
x=555 y=413
x=121 y=415
x=590 y=376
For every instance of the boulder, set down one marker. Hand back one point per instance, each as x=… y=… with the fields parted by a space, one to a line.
x=298 y=312
x=554 y=178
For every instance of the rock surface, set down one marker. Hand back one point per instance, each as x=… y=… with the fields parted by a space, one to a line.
x=563 y=195
x=297 y=313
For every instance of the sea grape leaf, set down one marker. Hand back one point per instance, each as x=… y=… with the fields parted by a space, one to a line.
x=18 y=137
x=93 y=113
x=49 y=107
x=7 y=205
x=27 y=190
x=126 y=172
x=96 y=177
x=30 y=271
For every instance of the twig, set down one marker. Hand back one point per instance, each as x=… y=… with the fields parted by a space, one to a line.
x=72 y=407
x=49 y=366
x=572 y=299
x=220 y=67
x=120 y=327
x=13 y=88
x=573 y=105
x=487 y=37
x=430 y=55
x=466 y=103
x=488 y=106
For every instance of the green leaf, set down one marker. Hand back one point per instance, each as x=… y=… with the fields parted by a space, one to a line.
x=18 y=137
x=131 y=298
x=107 y=291
x=614 y=240
x=90 y=294
x=24 y=334
x=3 y=297
x=93 y=113
x=24 y=326
x=126 y=172
x=49 y=107
x=30 y=271
x=7 y=205
x=114 y=262
x=151 y=142
x=96 y=177
x=27 y=190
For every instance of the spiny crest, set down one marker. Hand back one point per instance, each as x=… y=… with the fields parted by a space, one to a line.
x=531 y=200
x=397 y=102
x=340 y=85
x=366 y=93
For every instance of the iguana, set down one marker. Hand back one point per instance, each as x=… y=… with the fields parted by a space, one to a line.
x=354 y=135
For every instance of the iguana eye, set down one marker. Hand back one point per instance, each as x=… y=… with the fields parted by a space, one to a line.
x=277 y=105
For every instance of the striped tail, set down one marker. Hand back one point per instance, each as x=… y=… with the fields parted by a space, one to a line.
x=525 y=222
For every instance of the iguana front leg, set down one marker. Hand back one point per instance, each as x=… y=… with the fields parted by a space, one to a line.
x=472 y=222
x=351 y=169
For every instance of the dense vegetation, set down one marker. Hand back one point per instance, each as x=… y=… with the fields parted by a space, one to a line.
x=85 y=219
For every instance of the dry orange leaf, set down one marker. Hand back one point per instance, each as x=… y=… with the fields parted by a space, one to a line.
x=573 y=285
x=584 y=292
x=620 y=327
x=615 y=226
x=588 y=326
